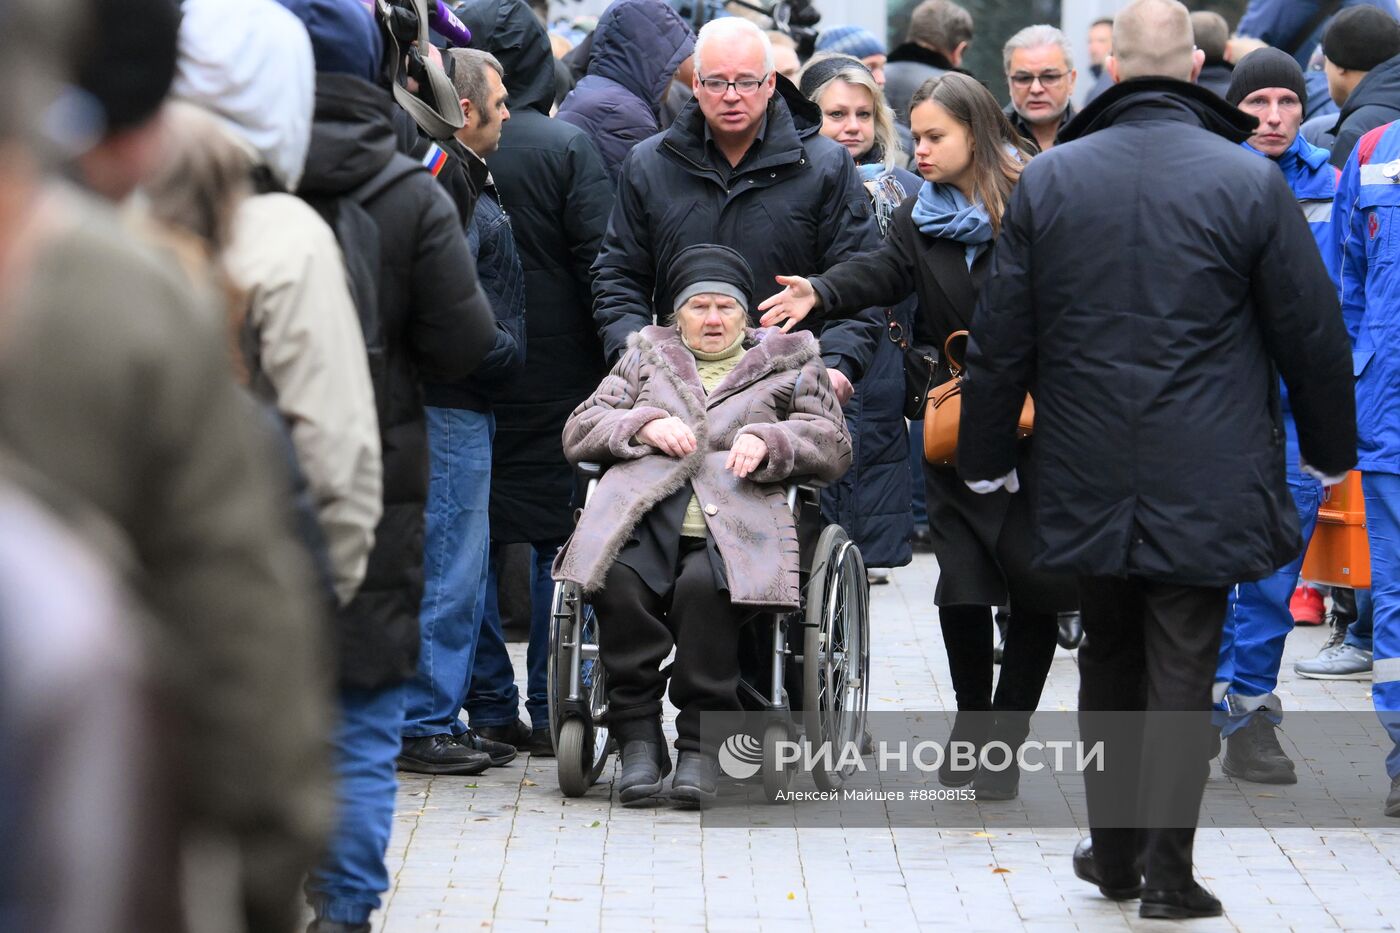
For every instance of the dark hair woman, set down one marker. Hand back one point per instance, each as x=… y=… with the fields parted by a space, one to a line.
x=939 y=248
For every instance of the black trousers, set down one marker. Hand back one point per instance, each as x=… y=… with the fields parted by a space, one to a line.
x=636 y=631
x=1153 y=647
x=1030 y=647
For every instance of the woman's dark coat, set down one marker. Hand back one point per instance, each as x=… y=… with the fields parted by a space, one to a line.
x=635 y=52
x=873 y=500
x=1152 y=280
x=553 y=184
x=982 y=542
x=436 y=324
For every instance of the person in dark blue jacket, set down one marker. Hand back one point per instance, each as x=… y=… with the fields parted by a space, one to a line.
x=1269 y=85
x=1361 y=55
x=1278 y=22
x=1368 y=209
x=461 y=426
x=637 y=49
x=872 y=501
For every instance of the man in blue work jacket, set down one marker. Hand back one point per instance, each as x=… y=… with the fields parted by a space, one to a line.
x=1268 y=84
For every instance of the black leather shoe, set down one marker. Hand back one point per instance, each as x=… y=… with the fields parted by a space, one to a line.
x=1252 y=753
x=1125 y=889
x=1071 y=630
x=1392 y=800
x=499 y=752
x=441 y=754
x=1185 y=904
x=697 y=779
x=516 y=734
x=645 y=760
x=334 y=926
x=539 y=744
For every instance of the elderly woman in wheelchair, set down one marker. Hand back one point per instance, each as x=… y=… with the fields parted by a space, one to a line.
x=689 y=532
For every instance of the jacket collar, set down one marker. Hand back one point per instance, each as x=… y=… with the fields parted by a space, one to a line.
x=352 y=135
x=913 y=52
x=1022 y=126
x=769 y=351
x=1306 y=168
x=791 y=119
x=1152 y=99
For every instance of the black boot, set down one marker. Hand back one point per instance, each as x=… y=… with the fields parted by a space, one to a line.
x=645 y=761
x=1071 y=630
x=1392 y=800
x=1127 y=888
x=697 y=779
x=1252 y=753
x=1194 y=901
x=972 y=727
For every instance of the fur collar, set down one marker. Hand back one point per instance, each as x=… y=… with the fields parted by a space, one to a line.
x=769 y=351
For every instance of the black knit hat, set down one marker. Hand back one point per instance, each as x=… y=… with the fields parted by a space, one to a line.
x=1266 y=68
x=822 y=70
x=1360 y=38
x=710 y=269
x=126 y=59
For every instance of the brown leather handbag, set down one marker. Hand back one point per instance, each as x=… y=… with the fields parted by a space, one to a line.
x=944 y=412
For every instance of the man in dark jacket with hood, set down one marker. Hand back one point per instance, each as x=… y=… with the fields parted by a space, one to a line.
x=434 y=322
x=553 y=182
x=743 y=167
x=1158 y=441
x=939 y=33
x=1361 y=55
x=637 y=48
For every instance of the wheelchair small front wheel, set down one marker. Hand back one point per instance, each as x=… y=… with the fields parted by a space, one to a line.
x=777 y=776
x=574 y=755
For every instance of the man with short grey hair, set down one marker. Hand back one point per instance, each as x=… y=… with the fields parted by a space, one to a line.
x=939 y=33
x=1040 y=74
x=1158 y=459
x=745 y=166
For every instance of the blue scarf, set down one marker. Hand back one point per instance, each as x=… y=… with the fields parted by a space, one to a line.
x=943 y=213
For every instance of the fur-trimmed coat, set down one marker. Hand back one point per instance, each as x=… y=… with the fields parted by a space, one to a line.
x=779 y=392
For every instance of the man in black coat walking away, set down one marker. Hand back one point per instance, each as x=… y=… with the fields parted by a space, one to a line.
x=552 y=180
x=939 y=33
x=1159 y=446
x=745 y=166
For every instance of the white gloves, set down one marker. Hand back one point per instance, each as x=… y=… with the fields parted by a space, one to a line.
x=982 y=487
x=1326 y=481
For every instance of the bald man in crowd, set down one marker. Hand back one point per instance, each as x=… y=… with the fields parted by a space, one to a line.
x=1158 y=450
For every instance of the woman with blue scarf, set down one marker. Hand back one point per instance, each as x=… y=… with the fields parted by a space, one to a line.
x=872 y=500
x=939 y=248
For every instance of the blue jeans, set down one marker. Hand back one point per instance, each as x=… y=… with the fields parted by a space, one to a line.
x=346 y=885
x=1382 y=492
x=456 y=544
x=1258 y=622
x=494 y=699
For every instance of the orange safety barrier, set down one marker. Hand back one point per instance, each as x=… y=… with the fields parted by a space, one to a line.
x=1340 y=553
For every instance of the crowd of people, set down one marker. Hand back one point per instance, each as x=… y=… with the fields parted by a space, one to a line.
x=309 y=309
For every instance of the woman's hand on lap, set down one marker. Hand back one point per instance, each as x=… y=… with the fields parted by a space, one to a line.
x=671 y=436
x=748 y=452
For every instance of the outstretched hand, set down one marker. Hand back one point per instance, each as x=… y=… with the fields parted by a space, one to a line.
x=671 y=436
x=748 y=452
x=789 y=306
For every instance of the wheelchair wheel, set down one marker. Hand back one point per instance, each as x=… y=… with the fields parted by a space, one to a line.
x=836 y=652
x=777 y=777
x=576 y=708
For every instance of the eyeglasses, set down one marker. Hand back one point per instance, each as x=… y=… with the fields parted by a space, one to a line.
x=745 y=86
x=1048 y=79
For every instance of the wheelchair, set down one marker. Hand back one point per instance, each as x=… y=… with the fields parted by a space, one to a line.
x=818 y=655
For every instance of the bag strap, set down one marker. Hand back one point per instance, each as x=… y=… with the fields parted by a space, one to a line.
x=953 y=362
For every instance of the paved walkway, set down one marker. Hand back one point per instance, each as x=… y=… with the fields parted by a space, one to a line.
x=505 y=851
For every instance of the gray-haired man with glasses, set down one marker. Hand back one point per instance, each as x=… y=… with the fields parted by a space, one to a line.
x=1040 y=72
x=744 y=166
